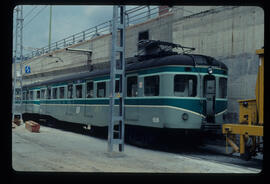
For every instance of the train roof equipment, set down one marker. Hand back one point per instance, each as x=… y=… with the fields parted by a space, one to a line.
x=155 y=48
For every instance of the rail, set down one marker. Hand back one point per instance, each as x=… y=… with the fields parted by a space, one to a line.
x=134 y=16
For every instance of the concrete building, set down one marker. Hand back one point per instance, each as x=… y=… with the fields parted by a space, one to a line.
x=231 y=34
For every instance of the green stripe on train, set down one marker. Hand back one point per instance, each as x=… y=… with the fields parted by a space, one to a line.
x=189 y=104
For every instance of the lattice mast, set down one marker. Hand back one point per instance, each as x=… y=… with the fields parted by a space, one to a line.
x=17 y=59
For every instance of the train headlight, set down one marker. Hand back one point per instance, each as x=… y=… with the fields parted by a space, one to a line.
x=210 y=70
x=185 y=116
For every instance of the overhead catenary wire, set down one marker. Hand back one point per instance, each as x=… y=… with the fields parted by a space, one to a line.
x=35 y=15
x=30 y=11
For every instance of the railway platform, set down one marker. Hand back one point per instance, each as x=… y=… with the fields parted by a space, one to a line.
x=56 y=150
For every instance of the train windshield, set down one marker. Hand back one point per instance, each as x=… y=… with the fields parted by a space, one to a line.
x=185 y=85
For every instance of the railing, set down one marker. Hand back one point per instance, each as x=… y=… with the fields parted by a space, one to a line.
x=134 y=16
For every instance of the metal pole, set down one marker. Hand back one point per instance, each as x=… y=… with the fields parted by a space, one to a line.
x=114 y=71
x=50 y=28
x=18 y=53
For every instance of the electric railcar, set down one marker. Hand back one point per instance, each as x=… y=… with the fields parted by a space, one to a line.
x=180 y=91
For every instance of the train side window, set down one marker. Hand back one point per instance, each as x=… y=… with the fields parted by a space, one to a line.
x=79 y=91
x=185 y=85
x=27 y=95
x=70 y=91
x=54 y=93
x=101 y=89
x=42 y=95
x=89 y=90
x=24 y=95
x=38 y=95
x=151 y=86
x=116 y=86
x=132 y=86
x=31 y=95
x=222 y=88
x=49 y=93
x=62 y=92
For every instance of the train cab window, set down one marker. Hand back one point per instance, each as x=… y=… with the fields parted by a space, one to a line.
x=62 y=92
x=89 y=90
x=185 y=85
x=101 y=89
x=31 y=95
x=42 y=94
x=132 y=86
x=79 y=91
x=209 y=83
x=54 y=93
x=49 y=93
x=38 y=95
x=70 y=91
x=151 y=86
x=222 y=88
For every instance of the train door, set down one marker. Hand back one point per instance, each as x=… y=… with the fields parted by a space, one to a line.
x=70 y=96
x=42 y=100
x=210 y=95
x=48 y=98
x=37 y=102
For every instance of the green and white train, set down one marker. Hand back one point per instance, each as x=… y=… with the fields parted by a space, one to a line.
x=180 y=91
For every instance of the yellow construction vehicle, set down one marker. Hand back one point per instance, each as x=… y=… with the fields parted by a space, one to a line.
x=249 y=130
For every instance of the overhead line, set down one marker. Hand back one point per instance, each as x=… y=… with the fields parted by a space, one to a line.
x=30 y=11
x=35 y=16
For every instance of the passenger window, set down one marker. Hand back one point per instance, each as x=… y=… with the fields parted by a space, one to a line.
x=185 y=85
x=132 y=86
x=101 y=89
x=42 y=95
x=54 y=93
x=79 y=91
x=24 y=95
x=62 y=92
x=89 y=90
x=222 y=88
x=27 y=95
x=38 y=94
x=151 y=86
x=31 y=95
x=117 y=86
x=49 y=93
x=70 y=91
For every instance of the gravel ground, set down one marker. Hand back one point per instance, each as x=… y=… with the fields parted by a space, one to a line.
x=61 y=151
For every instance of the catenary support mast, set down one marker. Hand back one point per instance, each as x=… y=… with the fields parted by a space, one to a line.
x=18 y=58
x=117 y=69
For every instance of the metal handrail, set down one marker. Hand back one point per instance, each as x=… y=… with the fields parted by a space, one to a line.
x=96 y=31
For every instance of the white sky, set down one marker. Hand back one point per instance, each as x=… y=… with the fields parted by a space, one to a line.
x=66 y=20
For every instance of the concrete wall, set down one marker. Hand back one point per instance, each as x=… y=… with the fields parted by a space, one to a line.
x=230 y=34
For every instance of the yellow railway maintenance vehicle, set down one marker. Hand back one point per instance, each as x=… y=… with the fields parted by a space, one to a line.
x=251 y=120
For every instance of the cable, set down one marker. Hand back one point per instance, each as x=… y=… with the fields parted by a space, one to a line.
x=35 y=16
x=30 y=11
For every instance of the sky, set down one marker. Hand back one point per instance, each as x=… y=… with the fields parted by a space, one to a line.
x=66 y=21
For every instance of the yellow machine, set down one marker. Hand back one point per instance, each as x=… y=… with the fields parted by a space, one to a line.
x=250 y=126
